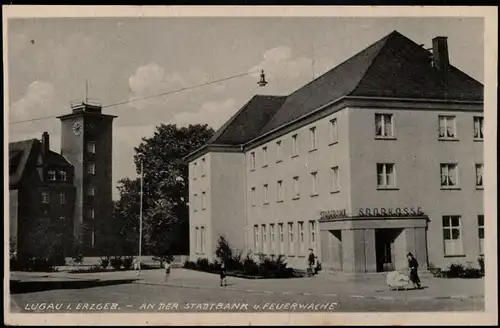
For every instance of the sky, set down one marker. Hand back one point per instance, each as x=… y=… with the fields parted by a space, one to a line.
x=49 y=60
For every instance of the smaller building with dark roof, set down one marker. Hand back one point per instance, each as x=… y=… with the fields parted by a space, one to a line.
x=380 y=156
x=41 y=191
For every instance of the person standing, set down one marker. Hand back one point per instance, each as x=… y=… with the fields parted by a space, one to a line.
x=223 y=274
x=167 y=270
x=413 y=266
x=311 y=261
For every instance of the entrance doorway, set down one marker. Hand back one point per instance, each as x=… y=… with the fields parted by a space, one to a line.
x=384 y=248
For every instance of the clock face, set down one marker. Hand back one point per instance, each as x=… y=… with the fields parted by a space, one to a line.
x=77 y=128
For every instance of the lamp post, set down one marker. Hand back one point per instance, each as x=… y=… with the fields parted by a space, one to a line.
x=140 y=216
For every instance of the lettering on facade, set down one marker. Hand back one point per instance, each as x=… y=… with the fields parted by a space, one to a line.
x=374 y=212
x=333 y=214
x=390 y=211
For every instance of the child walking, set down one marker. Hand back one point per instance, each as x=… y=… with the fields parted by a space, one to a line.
x=167 y=270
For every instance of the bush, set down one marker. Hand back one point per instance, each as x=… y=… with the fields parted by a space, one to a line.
x=91 y=269
x=163 y=258
x=480 y=261
x=189 y=265
x=116 y=263
x=250 y=267
x=455 y=270
x=104 y=262
x=127 y=262
x=273 y=267
x=203 y=264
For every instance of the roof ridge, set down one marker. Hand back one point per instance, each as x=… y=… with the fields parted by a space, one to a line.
x=223 y=128
x=384 y=43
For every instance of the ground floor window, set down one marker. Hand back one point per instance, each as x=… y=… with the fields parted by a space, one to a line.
x=282 y=238
x=197 y=240
x=256 y=238
x=480 y=225
x=290 y=239
x=202 y=239
x=452 y=235
x=301 y=237
x=272 y=232
x=264 y=239
x=312 y=234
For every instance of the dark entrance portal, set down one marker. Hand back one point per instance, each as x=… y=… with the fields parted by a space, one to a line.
x=384 y=248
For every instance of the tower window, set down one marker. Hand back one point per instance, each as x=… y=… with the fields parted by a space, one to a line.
x=91 y=147
x=45 y=197
x=91 y=191
x=91 y=168
x=63 y=175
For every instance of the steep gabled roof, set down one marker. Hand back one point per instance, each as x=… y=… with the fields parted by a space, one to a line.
x=248 y=122
x=19 y=156
x=19 y=153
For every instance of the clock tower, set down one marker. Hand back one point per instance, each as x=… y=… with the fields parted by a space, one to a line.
x=87 y=143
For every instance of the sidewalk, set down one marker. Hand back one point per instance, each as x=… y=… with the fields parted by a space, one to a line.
x=373 y=287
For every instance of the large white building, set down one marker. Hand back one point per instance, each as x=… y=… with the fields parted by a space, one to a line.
x=378 y=157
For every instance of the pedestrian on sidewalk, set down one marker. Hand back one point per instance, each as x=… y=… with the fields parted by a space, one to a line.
x=413 y=266
x=167 y=269
x=223 y=273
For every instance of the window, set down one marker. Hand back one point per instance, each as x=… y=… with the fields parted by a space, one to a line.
x=296 y=190
x=280 y=191
x=386 y=176
x=91 y=213
x=252 y=161
x=195 y=170
x=264 y=156
x=266 y=194
x=334 y=135
x=93 y=238
x=62 y=198
x=197 y=240
x=195 y=202
x=63 y=175
x=203 y=200
x=202 y=239
x=264 y=239
x=451 y=235
x=256 y=238
x=447 y=127
x=335 y=179
x=478 y=128
x=480 y=226
x=479 y=175
x=45 y=197
x=91 y=191
x=312 y=234
x=272 y=232
x=290 y=239
x=252 y=196
x=282 y=238
x=91 y=168
x=384 y=125
x=279 y=151
x=91 y=147
x=449 y=176
x=295 y=145
x=301 y=237
x=203 y=167
x=52 y=175
x=314 y=183
x=312 y=132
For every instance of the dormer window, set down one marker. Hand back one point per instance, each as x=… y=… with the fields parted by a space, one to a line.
x=52 y=175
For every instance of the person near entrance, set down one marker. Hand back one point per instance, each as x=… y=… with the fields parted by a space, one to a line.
x=311 y=260
x=413 y=266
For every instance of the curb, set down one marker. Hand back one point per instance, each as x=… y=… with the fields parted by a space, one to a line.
x=381 y=298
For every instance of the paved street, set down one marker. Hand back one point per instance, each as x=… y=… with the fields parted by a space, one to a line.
x=131 y=296
x=126 y=292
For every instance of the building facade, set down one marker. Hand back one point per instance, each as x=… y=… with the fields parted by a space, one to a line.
x=41 y=190
x=378 y=157
x=74 y=187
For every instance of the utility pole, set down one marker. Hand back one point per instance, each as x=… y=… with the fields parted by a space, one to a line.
x=140 y=216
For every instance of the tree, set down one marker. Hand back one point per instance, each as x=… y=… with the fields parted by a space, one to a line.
x=165 y=189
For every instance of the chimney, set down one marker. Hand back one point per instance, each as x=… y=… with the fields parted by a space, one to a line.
x=440 y=59
x=45 y=143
